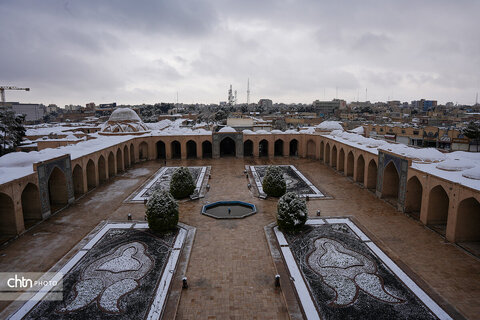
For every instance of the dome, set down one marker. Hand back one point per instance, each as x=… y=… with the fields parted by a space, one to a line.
x=329 y=126
x=124 y=114
x=124 y=121
x=227 y=129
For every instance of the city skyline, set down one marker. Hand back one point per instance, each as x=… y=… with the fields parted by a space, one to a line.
x=75 y=53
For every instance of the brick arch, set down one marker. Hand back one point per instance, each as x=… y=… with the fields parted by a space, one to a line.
x=413 y=197
x=438 y=204
x=143 y=151
x=334 y=156
x=248 y=148
x=341 y=160
x=293 y=148
x=57 y=189
x=263 y=148
x=311 y=149
x=350 y=164
x=191 y=147
x=119 y=160
x=360 y=169
x=322 y=150
x=327 y=153
x=207 y=150
x=31 y=208
x=91 y=177
x=132 y=154
x=176 y=148
x=111 y=164
x=278 y=148
x=372 y=171
x=467 y=228
x=126 y=161
x=77 y=177
x=391 y=181
x=102 y=169
x=7 y=217
x=161 y=149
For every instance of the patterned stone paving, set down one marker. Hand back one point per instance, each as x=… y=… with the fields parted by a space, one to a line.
x=161 y=180
x=116 y=279
x=347 y=279
x=296 y=181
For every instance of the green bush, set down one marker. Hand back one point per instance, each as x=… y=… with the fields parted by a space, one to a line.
x=291 y=212
x=274 y=183
x=162 y=211
x=181 y=184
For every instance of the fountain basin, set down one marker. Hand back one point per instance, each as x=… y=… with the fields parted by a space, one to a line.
x=220 y=209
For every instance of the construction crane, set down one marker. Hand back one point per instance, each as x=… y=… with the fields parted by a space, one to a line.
x=3 y=88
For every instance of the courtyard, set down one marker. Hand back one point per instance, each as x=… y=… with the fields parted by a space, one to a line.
x=230 y=271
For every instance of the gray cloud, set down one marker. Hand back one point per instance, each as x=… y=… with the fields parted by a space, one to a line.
x=126 y=51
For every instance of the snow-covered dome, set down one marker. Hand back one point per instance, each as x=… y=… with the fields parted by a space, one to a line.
x=329 y=126
x=227 y=129
x=124 y=114
x=455 y=165
x=473 y=173
x=124 y=121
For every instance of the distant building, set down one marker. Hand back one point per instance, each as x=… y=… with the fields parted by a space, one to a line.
x=265 y=103
x=107 y=105
x=33 y=112
x=328 y=107
x=423 y=104
x=72 y=107
x=52 y=108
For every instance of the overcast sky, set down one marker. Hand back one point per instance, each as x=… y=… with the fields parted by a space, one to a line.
x=293 y=51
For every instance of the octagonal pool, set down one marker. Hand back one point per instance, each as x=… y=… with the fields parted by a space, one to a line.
x=229 y=209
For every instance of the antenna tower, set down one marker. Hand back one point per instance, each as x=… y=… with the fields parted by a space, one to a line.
x=248 y=91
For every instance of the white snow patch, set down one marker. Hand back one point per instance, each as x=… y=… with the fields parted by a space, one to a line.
x=329 y=126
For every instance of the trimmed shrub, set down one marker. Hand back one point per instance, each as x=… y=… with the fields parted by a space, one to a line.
x=274 y=183
x=181 y=184
x=162 y=211
x=291 y=212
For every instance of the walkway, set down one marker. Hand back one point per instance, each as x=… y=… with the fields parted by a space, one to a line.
x=231 y=271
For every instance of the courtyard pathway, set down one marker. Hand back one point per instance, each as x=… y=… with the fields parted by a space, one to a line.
x=231 y=271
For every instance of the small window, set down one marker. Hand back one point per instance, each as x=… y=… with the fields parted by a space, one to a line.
x=381 y=129
x=415 y=132
x=403 y=131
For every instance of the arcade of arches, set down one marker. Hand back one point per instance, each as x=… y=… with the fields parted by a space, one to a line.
x=432 y=205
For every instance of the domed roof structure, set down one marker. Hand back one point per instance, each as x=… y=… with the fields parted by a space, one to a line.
x=124 y=121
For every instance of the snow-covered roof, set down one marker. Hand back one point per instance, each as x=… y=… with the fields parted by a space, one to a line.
x=329 y=126
x=459 y=167
x=15 y=165
x=358 y=130
x=227 y=129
